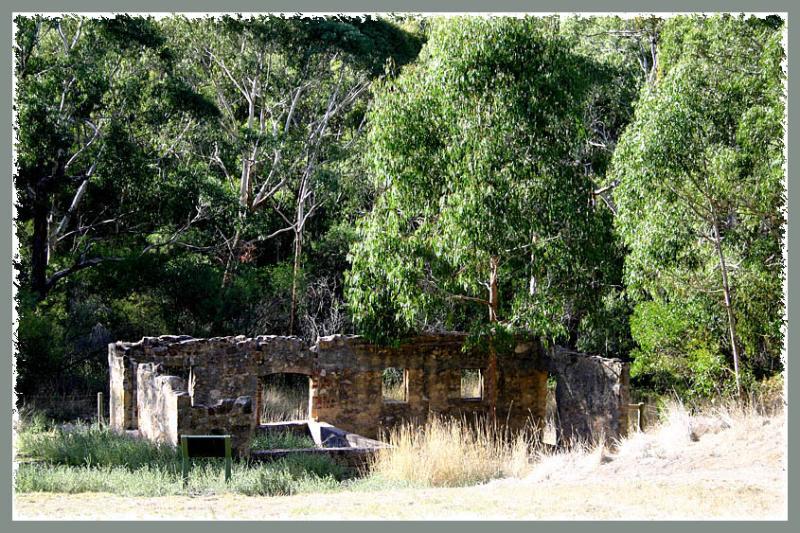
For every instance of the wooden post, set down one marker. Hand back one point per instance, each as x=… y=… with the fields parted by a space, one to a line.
x=641 y=416
x=227 y=458
x=185 y=459
x=100 y=418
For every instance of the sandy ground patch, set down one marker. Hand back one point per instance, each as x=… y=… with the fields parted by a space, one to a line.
x=634 y=500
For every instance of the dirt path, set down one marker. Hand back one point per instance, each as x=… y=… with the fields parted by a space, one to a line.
x=634 y=500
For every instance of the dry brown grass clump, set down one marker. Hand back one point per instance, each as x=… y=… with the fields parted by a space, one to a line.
x=713 y=443
x=449 y=452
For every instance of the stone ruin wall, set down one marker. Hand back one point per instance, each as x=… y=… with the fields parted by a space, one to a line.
x=171 y=385
x=592 y=395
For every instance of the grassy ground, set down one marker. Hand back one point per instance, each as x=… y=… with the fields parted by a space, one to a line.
x=88 y=458
x=283 y=440
x=724 y=463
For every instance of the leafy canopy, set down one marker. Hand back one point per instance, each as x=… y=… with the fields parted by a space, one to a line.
x=474 y=148
x=705 y=149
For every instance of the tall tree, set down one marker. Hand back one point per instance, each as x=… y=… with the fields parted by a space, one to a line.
x=292 y=94
x=700 y=191
x=99 y=188
x=625 y=55
x=91 y=97
x=485 y=221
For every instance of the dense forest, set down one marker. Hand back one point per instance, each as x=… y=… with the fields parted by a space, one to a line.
x=612 y=185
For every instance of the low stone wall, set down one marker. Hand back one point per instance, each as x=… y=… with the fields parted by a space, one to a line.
x=592 y=395
x=234 y=417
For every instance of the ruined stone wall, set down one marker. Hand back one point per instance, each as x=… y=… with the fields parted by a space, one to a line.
x=172 y=385
x=219 y=379
x=348 y=385
x=157 y=403
x=229 y=416
x=591 y=395
x=121 y=393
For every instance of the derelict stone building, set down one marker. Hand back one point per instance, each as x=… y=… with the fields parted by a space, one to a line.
x=172 y=385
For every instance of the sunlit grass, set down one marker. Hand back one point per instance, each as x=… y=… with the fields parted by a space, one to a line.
x=451 y=452
x=394 y=385
x=91 y=458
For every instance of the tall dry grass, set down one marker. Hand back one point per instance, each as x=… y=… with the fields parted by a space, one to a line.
x=471 y=383
x=395 y=392
x=283 y=404
x=449 y=452
x=394 y=385
x=285 y=397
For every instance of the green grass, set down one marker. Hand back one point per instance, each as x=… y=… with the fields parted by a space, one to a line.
x=281 y=440
x=284 y=477
x=84 y=444
x=89 y=458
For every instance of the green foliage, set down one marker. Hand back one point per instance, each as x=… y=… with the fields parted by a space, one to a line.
x=606 y=330
x=676 y=353
x=591 y=156
x=472 y=148
x=704 y=154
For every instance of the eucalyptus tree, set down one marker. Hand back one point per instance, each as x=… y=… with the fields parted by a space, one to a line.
x=485 y=220
x=625 y=55
x=292 y=94
x=99 y=190
x=92 y=95
x=700 y=197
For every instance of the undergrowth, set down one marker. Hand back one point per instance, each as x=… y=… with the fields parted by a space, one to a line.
x=90 y=458
x=445 y=452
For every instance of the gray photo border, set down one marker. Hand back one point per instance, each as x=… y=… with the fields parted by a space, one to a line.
x=359 y=6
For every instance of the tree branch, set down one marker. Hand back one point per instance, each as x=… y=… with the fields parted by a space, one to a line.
x=80 y=265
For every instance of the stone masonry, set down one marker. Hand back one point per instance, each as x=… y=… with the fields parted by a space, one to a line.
x=172 y=385
x=592 y=395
